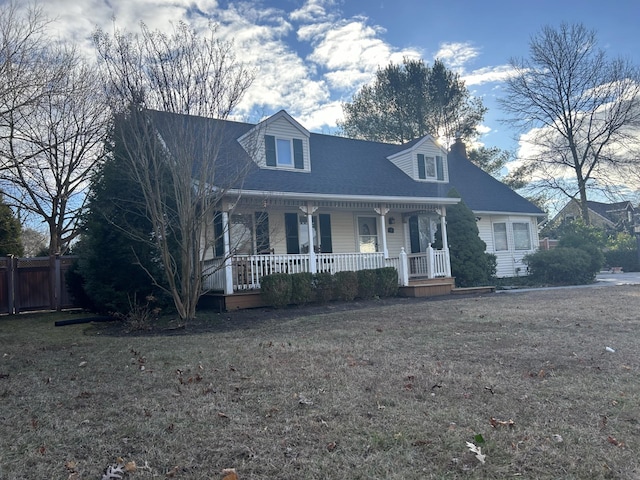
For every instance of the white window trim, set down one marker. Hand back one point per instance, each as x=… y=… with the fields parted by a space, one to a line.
x=293 y=161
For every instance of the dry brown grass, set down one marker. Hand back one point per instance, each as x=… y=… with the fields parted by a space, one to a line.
x=385 y=392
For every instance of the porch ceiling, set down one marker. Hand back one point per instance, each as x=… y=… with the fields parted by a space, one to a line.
x=283 y=200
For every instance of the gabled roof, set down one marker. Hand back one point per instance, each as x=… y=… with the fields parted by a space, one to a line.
x=344 y=167
x=610 y=211
x=415 y=144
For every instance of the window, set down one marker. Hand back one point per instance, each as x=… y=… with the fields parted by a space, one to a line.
x=284 y=152
x=500 y=237
x=521 y=236
x=284 y=155
x=368 y=234
x=249 y=233
x=430 y=167
x=297 y=233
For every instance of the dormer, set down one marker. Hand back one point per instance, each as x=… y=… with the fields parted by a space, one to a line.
x=424 y=161
x=278 y=143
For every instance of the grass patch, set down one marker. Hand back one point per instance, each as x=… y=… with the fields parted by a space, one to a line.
x=391 y=391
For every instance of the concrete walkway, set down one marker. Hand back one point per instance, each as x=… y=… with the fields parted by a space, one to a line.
x=603 y=279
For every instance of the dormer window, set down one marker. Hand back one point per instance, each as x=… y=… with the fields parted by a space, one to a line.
x=430 y=168
x=284 y=152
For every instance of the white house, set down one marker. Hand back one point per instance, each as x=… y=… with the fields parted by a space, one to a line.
x=313 y=202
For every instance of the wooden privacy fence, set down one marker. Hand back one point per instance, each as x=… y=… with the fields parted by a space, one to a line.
x=29 y=284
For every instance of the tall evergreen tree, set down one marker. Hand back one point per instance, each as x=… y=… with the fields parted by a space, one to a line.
x=10 y=232
x=114 y=250
x=470 y=264
x=411 y=100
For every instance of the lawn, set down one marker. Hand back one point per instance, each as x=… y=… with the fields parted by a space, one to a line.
x=395 y=390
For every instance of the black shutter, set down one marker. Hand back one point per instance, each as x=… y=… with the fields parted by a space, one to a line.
x=440 y=168
x=270 y=150
x=291 y=232
x=422 y=173
x=218 y=233
x=298 y=156
x=414 y=234
x=325 y=233
x=262 y=232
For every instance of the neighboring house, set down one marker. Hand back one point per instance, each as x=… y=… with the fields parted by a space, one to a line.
x=313 y=202
x=615 y=216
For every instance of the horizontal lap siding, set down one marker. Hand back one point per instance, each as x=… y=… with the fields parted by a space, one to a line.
x=508 y=261
x=281 y=128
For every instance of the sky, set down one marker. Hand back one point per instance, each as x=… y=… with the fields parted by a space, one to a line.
x=310 y=56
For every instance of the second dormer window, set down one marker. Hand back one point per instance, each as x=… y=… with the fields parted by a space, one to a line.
x=430 y=168
x=284 y=152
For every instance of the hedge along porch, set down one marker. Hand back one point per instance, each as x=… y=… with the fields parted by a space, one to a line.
x=290 y=234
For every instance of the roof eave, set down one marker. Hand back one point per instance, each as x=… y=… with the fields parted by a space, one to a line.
x=350 y=198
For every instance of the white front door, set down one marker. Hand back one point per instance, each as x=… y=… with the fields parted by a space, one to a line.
x=368 y=234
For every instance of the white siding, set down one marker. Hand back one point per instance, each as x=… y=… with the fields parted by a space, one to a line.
x=509 y=262
x=407 y=161
x=280 y=128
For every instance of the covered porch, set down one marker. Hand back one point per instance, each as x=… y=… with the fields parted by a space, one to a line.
x=256 y=236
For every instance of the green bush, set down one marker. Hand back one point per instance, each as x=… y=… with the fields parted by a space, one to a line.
x=588 y=244
x=628 y=260
x=367 y=283
x=387 y=282
x=301 y=288
x=323 y=286
x=346 y=285
x=561 y=266
x=276 y=289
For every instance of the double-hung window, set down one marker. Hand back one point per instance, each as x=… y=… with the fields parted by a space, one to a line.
x=521 y=236
x=430 y=168
x=284 y=152
x=500 y=236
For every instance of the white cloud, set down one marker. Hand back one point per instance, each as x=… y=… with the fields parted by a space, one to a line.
x=487 y=75
x=456 y=54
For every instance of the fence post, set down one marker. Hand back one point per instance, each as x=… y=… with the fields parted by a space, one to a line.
x=403 y=268
x=57 y=283
x=11 y=283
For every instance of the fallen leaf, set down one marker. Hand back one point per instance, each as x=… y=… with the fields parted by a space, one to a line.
x=222 y=415
x=501 y=423
x=613 y=441
x=478 y=452
x=130 y=467
x=70 y=465
x=82 y=364
x=230 y=474
x=331 y=446
x=172 y=473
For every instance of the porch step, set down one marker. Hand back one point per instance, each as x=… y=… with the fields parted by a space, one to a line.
x=473 y=290
x=427 y=287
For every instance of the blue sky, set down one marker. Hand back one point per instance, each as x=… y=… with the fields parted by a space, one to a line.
x=311 y=55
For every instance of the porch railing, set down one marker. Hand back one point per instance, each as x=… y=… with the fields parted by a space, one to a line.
x=248 y=270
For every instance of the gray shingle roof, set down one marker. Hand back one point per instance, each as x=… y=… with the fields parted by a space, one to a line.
x=343 y=167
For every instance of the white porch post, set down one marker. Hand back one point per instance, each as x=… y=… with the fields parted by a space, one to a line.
x=403 y=273
x=309 y=211
x=228 y=267
x=445 y=239
x=431 y=264
x=382 y=211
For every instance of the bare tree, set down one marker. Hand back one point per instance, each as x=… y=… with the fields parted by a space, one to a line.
x=53 y=147
x=174 y=159
x=52 y=123
x=581 y=111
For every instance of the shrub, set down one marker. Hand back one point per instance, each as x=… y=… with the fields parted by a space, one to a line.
x=323 y=284
x=346 y=285
x=276 y=289
x=588 y=244
x=387 y=282
x=560 y=266
x=470 y=265
x=628 y=260
x=301 y=288
x=367 y=283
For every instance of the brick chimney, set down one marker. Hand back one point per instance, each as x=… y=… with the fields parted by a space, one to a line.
x=459 y=148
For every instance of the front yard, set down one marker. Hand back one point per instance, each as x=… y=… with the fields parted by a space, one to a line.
x=394 y=390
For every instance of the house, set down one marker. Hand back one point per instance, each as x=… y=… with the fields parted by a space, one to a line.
x=614 y=216
x=314 y=202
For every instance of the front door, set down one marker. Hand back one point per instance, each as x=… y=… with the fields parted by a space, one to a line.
x=368 y=234
x=420 y=232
